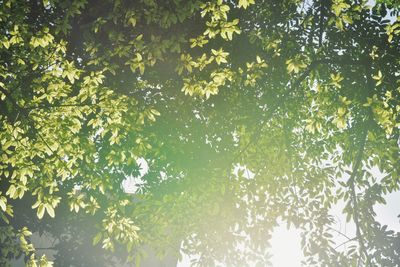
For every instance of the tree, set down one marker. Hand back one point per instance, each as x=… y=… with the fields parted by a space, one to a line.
x=305 y=94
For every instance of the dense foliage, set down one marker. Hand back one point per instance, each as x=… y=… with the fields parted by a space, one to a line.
x=304 y=94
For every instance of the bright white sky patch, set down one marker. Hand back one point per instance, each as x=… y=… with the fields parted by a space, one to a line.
x=285 y=247
x=387 y=214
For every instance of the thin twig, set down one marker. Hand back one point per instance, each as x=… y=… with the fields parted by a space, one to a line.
x=340 y=233
x=345 y=242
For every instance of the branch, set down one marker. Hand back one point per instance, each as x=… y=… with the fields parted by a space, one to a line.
x=342 y=234
x=9 y=97
x=58 y=106
x=345 y=242
x=49 y=248
x=351 y=184
x=307 y=72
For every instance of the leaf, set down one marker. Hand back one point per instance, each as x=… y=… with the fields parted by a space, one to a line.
x=155 y=112
x=50 y=210
x=138 y=260
x=132 y=21
x=3 y=202
x=37 y=203
x=141 y=68
x=245 y=3
x=40 y=211
x=11 y=191
x=378 y=78
x=97 y=238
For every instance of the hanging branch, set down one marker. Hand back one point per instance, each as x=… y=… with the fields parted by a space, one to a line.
x=352 y=182
x=353 y=195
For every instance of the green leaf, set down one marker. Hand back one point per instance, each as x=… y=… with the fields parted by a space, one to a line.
x=50 y=210
x=3 y=202
x=40 y=211
x=12 y=191
x=97 y=238
x=245 y=3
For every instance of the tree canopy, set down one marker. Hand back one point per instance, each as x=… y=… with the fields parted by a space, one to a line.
x=248 y=112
